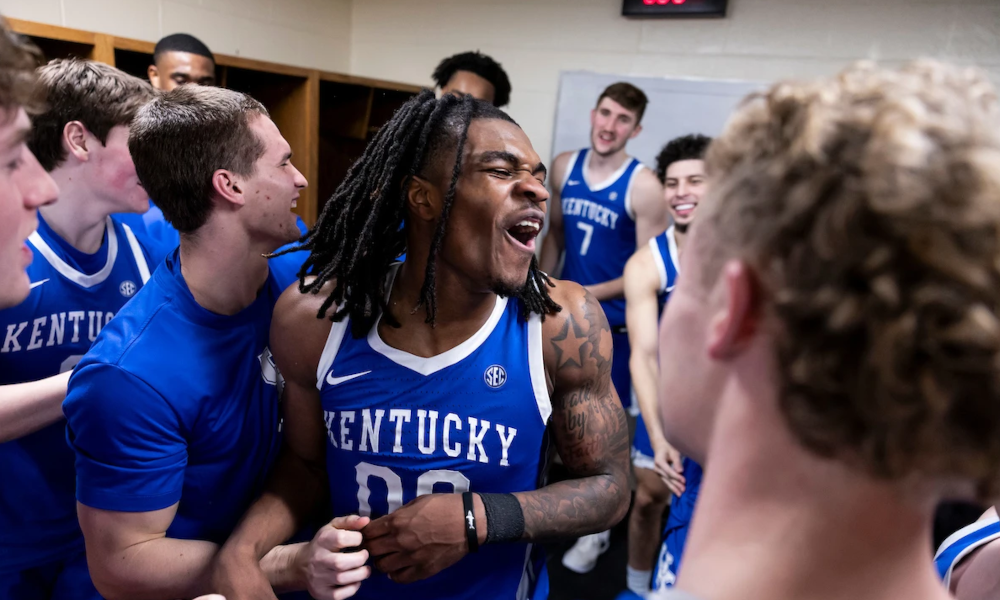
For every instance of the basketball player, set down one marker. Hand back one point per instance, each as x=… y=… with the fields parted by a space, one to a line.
x=605 y=204
x=427 y=401
x=832 y=346
x=475 y=74
x=86 y=267
x=180 y=59
x=650 y=275
x=174 y=411
x=967 y=560
x=24 y=185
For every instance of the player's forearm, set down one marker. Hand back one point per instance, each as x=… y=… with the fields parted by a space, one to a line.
x=644 y=372
x=552 y=249
x=608 y=290
x=158 y=569
x=576 y=507
x=27 y=407
x=294 y=492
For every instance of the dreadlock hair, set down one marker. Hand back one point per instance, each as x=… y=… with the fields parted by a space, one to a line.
x=360 y=232
x=480 y=64
x=688 y=147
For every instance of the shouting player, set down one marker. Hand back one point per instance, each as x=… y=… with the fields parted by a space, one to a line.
x=650 y=275
x=87 y=266
x=605 y=204
x=423 y=393
x=833 y=346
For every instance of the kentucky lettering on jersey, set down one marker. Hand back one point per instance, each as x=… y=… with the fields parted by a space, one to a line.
x=471 y=419
x=73 y=297
x=366 y=429
x=598 y=227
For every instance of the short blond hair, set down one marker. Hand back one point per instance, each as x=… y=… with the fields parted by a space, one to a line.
x=868 y=206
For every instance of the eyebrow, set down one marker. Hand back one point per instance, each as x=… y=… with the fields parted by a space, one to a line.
x=510 y=159
x=287 y=156
x=19 y=137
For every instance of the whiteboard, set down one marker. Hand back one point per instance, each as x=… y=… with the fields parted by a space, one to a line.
x=676 y=107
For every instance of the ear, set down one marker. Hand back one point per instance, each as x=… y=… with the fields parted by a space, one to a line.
x=423 y=199
x=735 y=323
x=227 y=187
x=154 y=76
x=75 y=142
x=635 y=132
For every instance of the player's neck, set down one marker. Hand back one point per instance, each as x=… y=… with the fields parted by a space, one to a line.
x=774 y=521
x=598 y=167
x=679 y=238
x=222 y=266
x=461 y=311
x=78 y=218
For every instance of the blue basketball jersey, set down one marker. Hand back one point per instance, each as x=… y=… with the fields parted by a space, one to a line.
x=599 y=228
x=177 y=404
x=73 y=297
x=471 y=419
x=675 y=532
x=961 y=543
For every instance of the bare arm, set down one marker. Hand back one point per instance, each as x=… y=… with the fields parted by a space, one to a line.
x=641 y=317
x=975 y=577
x=554 y=242
x=27 y=407
x=131 y=558
x=651 y=215
x=642 y=308
x=588 y=422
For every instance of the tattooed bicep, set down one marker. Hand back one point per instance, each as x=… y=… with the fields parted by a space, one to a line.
x=587 y=418
x=581 y=343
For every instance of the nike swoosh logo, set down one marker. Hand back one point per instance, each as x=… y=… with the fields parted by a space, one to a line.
x=330 y=379
x=36 y=284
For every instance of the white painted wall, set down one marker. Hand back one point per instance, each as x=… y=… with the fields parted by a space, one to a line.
x=536 y=39
x=759 y=40
x=308 y=33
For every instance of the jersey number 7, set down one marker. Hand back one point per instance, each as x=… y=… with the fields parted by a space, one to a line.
x=588 y=231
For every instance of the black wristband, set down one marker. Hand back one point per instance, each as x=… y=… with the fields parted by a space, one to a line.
x=504 y=518
x=471 y=534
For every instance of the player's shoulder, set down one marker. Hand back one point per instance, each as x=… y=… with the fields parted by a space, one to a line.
x=576 y=302
x=298 y=332
x=641 y=264
x=646 y=179
x=562 y=160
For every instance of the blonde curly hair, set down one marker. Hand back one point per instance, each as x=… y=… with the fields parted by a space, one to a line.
x=868 y=206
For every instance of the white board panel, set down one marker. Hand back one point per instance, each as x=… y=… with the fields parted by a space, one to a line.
x=676 y=107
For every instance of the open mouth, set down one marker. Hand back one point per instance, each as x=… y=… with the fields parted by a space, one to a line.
x=685 y=209
x=525 y=232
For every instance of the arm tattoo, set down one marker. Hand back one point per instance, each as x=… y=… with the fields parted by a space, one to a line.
x=590 y=431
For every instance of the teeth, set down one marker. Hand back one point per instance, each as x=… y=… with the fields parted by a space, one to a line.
x=533 y=224
x=684 y=207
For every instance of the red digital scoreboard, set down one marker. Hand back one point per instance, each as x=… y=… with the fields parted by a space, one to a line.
x=674 y=8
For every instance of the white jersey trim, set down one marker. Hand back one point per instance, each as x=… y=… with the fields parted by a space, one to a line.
x=661 y=268
x=629 y=209
x=536 y=367
x=611 y=178
x=569 y=172
x=140 y=258
x=81 y=279
x=961 y=533
x=527 y=575
x=433 y=364
x=330 y=350
x=675 y=255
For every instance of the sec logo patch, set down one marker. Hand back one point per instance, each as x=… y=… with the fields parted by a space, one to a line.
x=495 y=376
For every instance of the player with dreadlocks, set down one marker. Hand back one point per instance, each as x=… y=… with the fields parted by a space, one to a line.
x=423 y=394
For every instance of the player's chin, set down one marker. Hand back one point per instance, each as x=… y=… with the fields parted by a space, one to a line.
x=14 y=288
